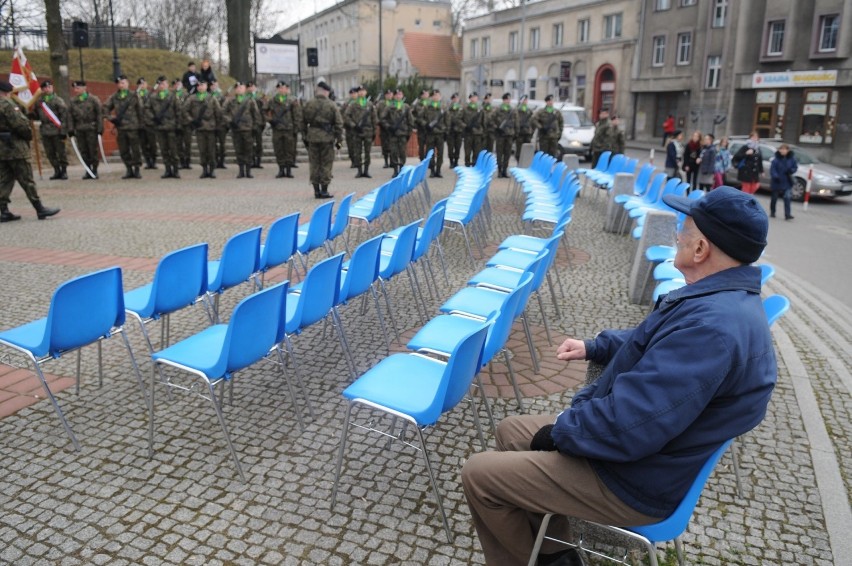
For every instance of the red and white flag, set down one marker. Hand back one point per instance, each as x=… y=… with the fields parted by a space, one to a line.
x=48 y=111
x=23 y=80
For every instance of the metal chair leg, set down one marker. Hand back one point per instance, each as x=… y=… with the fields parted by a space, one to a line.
x=337 y=322
x=292 y=354
x=544 y=318
x=390 y=309
x=221 y=418
x=55 y=404
x=344 y=434
x=514 y=381
x=735 y=457
x=528 y=333
x=379 y=315
x=283 y=370
x=425 y=453
x=487 y=405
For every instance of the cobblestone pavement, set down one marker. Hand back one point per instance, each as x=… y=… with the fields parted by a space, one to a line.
x=111 y=504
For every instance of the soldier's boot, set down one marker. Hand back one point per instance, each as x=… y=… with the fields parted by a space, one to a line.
x=175 y=172
x=324 y=192
x=5 y=215
x=220 y=164
x=360 y=173
x=57 y=171
x=211 y=171
x=366 y=173
x=395 y=171
x=167 y=174
x=188 y=165
x=63 y=173
x=317 y=192
x=149 y=163
x=42 y=211
x=257 y=163
x=288 y=173
x=387 y=166
x=94 y=169
x=248 y=173
x=129 y=173
x=281 y=172
x=203 y=172
x=437 y=174
x=242 y=172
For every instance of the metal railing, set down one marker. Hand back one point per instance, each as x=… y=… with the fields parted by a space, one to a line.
x=100 y=37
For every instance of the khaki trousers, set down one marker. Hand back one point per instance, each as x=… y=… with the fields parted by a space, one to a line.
x=508 y=492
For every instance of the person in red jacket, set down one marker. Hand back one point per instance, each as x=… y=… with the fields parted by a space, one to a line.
x=668 y=128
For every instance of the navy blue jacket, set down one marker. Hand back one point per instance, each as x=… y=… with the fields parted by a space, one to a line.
x=671 y=156
x=697 y=371
x=781 y=172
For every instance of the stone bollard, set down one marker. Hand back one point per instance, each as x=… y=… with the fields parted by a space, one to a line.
x=659 y=230
x=623 y=185
x=571 y=161
x=527 y=152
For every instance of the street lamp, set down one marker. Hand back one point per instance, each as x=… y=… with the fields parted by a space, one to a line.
x=390 y=5
x=116 y=64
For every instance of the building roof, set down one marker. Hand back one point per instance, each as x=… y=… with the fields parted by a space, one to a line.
x=432 y=55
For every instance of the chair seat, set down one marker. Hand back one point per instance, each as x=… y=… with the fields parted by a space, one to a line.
x=512 y=258
x=443 y=333
x=476 y=301
x=523 y=242
x=29 y=337
x=412 y=390
x=139 y=301
x=497 y=277
x=199 y=352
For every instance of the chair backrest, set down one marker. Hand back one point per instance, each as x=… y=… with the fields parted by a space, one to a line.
x=84 y=309
x=280 y=242
x=181 y=278
x=431 y=230
x=629 y=166
x=603 y=161
x=254 y=327
x=775 y=306
x=462 y=367
x=240 y=258
x=502 y=325
x=320 y=292
x=318 y=227
x=403 y=250
x=641 y=183
x=341 y=220
x=767 y=272
x=674 y=525
x=616 y=164
x=538 y=268
x=363 y=269
x=475 y=204
x=653 y=193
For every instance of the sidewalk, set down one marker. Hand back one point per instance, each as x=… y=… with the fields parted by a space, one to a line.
x=110 y=504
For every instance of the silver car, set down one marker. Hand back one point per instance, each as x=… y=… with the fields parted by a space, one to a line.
x=828 y=181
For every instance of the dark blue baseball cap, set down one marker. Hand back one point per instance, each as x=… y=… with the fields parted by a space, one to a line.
x=732 y=220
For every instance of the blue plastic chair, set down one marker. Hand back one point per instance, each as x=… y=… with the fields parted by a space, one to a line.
x=83 y=310
x=238 y=264
x=280 y=246
x=216 y=353
x=369 y=208
x=338 y=227
x=179 y=281
x=669 y=528
x=767 y=272
x=396 y=258
x=775 y=306
x=464 y=217
x=418 y=389
x=315 y=234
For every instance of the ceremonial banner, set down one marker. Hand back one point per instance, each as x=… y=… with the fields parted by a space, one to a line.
x=24 y=80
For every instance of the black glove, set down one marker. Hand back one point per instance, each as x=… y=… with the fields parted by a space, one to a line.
x=543 y=440
x=62 y=136
x=338 y=145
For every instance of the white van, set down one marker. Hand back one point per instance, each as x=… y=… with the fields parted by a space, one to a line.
x=577 y=131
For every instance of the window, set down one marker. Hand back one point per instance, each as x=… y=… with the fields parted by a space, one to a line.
x=661 y=5
x=417 y=23
x=818 y=117
x=658 y=54
x=558 y=34
x=583 y=31
x=828 y=28
x=775 y=38
x=720 y=13
x=687 y=3
x=513 y=42
x=684 y=48
x=437 y=24
x=612 y=26
x=473 y=44
x=714 y=71
x=535 y=38
x=486 y=46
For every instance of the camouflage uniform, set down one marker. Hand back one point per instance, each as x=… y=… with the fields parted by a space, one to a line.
x=360 y=116
x=417 y=109
x=86 y=124
x=221 y=131
x=525 y=129
x=603 y=140
x=53 y=138
x=383 y=106
x=398 y=121
x=504 y=125
x=241 y=114
x=472 y=126
x=455 y=130
x=165 y=111
x=348 y=133
x=548 y=121
x=257 y=133
x=284 y=114
x=183 y=134
x=487 y=127
x=204 y=117
x=435 y=122
x=125 y=112
x=147 y=135
x=15 y=135
x=322 y=130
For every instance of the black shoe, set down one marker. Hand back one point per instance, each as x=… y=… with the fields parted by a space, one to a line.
x=438 y=175
x=175 y=172
x=395 y=171
x=203 y=172
x=324 y=192
x=248 y=173
x=42 y=211
x=167 y=174
x=221 y=164
x=150 y=163
x=789 y=217
x=317 y=191
x=281 y=174
x=387 y=165
x=56 y=173
x=6 y=216
x=63 y=173
x=366 y=173
x=211 y=171
x=360 y=174
x=569 y=557
x=242 y=172
x=288 y=174
x=129 y=173
x=771 y=215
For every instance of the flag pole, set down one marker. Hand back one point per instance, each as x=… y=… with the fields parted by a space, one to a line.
x=37 y=150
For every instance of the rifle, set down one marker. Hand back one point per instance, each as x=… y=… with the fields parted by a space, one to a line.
x=119 y=116
x=396 y=126
x=276 y=120
x=366 y=112
x=158 y=119
x=550 y=124
x=469 y=126
x=431 y=125
x=196 y=122
x=239 y=115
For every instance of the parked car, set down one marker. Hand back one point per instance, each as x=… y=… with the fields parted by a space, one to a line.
x=577 y=130
x=828 y=181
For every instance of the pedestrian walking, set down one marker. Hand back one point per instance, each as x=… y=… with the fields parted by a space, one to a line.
x=549 y=123
x=165 y=112
x=124 y=111
x=241 y=114
x=204 y=116
x=360 y=116
x=668 y=128
x=322 y=134
x=723 y=162
x=504 y=124
x=781 y=181
x=52 y=112
x=749 y=164
x=86 y=125
x=284 y=114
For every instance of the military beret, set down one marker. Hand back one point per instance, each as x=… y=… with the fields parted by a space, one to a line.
x=140 y=80
x=524 y=97
x=162 y=78
x=548 y=98
x=239 y=83
x=78 y=83
x=46 y=82
x=436 y=91
x=121 y=78
x=398 y=91
x=507 y=96
x=471 y=95
x=6 y=86
x=250 y=83
x=454 y=95
x=177 y=81
x=323 y=85
x=487 y=95
x=353 y=90
x=360 y=88
x=392 y=91
x=424 y=91
x=279 y=84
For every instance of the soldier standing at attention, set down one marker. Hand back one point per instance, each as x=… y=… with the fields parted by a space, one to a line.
x=123 y=110
x=204 y=115
x=398 y=122
x=361 y=118
x=504 y=123
x=472 y=118
x=259 y=126
x=284 y=115
x=347 y=129
x=323 y=131
x=15 y=135
x=53 y=136
x=386 y=137
x=524 y=124
x=549 y=122
x=241 y=114
x=601 y=140
x=417 y=109
x=455 y=128
x=435 y=120
x=147 y=137
x=164 y=110
x=487 y=127
x=86 y=124
x=222 y=129
x=183 y=135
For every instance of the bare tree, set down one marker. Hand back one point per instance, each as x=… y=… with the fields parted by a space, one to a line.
x=186 y=24
x=239 y=40
x=56 y=45
x=464 y=9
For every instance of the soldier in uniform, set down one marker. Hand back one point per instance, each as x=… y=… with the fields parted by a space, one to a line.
x=487 y=127
x=435 y=126
x=204 y=115
x=504 y=125
x=183 y=135
x=241 y=114
x=165 y=111
x=53 y=136
x=398 y=122
x=222 y=129
x=123 y=110
x=604 y=136
x=386 y=137
x=473 y=120
x=525 y=129
x=360 y=116
x=347 y=129
x=259 y=126
x=147 y=137
x=548 y=121
x=284 y=114
x=86 y=124
x=417 y=108
x=15 y=135
x=455 y=130
x=322 y=132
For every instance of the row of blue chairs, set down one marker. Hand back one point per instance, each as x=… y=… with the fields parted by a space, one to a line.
x=468 y=206
x=608 y=166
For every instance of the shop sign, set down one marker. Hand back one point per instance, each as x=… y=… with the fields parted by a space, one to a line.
x=794 y=79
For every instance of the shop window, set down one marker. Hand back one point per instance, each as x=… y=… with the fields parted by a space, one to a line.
x=819 y=115
x=828 y=28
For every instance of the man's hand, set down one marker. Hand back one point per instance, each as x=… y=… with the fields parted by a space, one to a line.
x=543 y=440
x=571 y=349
